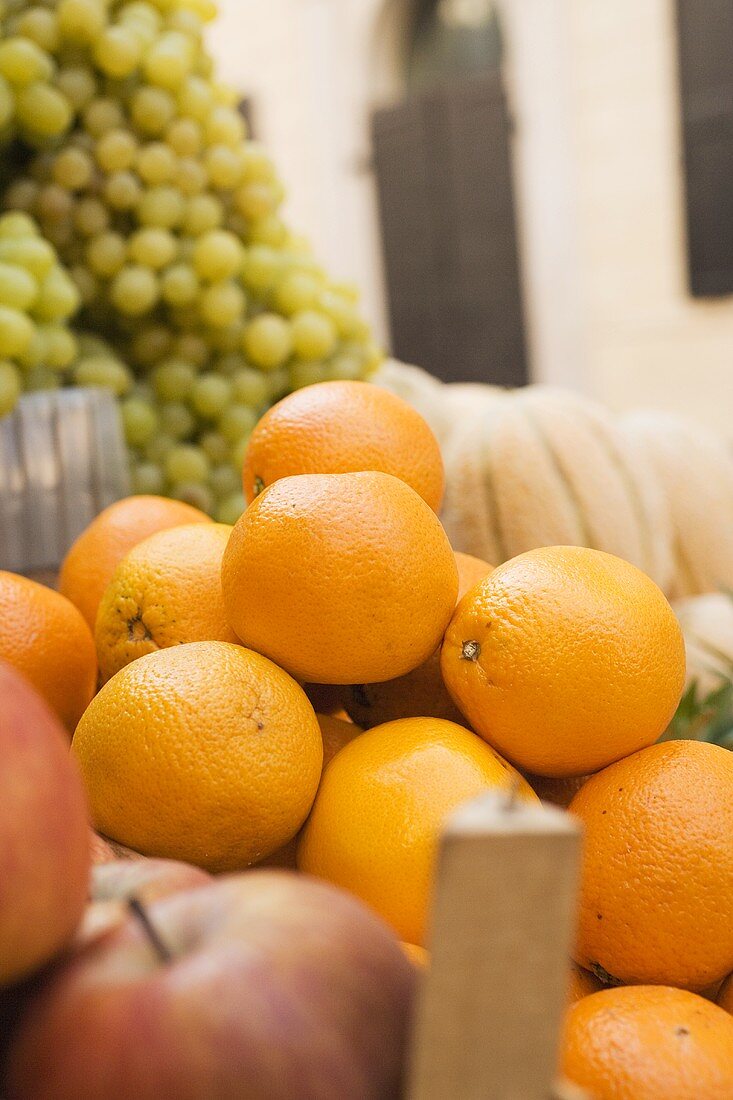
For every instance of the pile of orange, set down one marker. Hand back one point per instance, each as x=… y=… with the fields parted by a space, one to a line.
x=338 y=584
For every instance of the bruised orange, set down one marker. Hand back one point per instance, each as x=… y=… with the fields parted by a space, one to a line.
x=565 y=659
x=648 y=1043
x=88 y=567
x=340 y=578
x=344 y=427
x=45 y=638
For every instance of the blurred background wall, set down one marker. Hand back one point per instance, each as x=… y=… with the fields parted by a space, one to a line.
x=525 y=189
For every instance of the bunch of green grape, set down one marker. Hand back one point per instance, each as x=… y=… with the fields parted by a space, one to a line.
x=168 y=220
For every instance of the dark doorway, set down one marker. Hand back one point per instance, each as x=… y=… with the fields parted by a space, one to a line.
x=444 y=182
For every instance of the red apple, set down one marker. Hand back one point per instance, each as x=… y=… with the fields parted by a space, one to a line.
x=44 y=835
x=114 y=883
x=265 y=985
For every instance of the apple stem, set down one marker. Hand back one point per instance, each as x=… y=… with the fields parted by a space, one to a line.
x=138 y=910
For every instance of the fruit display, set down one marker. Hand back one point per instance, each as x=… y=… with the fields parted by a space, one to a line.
x=144 y=249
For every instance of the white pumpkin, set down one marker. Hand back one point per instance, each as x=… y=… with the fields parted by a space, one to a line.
x=542 y=466
x=419 y=389
x=695 y=469
x=707 y=624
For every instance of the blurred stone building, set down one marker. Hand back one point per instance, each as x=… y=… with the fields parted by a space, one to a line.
x=522 y=188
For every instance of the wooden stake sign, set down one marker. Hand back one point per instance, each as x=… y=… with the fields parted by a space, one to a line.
x=503 y=918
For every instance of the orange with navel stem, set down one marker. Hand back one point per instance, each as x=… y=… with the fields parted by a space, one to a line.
x=582 y=983
x=648 y=1043
x=344 y=427
x=45 y=638
x=656 y=900
x=420 y=693
x=725 y=995
x=88 y=567
x=165 y=592
x=565 y=659
x=340 y=578
x=206 y=753
x=376 y=822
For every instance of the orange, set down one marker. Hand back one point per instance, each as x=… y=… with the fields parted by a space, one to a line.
x=340 y=578
x=382 y=803
x=417 y=955
x=725 y=995
x=565 y=659
x=582 y=984
x=341 y=428
x=335 y=733
x=88 y=567
x=648 y=1043
x=165 y=592
x=45 y=638
x=420 y=693
x=656 y=902
x=205 y=753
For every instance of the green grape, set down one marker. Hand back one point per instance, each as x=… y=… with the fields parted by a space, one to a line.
x=17 y=225
x=206 y=10
x=220 y=305
x=154 y=248
x=60 y=346
x=147 y=479
x=7 y=103
x=152 y=110
x=269 y=230
x=184 y=137
x=227 y=340
x=210 y=395
x=203 y=213
x=58 y=297
x=238 y=453
x=86 y=284
x=195 y=494
x=134 y=290
x=225 y=126
x=151 y=344
x=224 y=166
x=257 y=165
x=314 y=334
x=103 y=115
x=279 y=383
x=188 y=21
x=73 y=169
x=268 y=341
x=231 y=362
x=54 y=204
x=159 y=448
x=190 y=177
x=43 y=111
x=237 y=422
x=341 y=311
x=41 y=26
x=250 y=387
x=91 y=217
x=77 y=85
x=118 y=51
x=215 y=447
x=307 y=373
x=23 y=62
x=169 y=60
x=9 y=387
x=162 y=207
x=261 y=268
x=80 y=21
x=123 y=191
x=34 y=354
x=106 y=254
x=104 y=371
x=195 y=98
x=255 y=201
x=346 y=366
x=22 y=194
x=185 y=463
x=139 y=420
x=18 y=288
x=116 y=151
x=193 y=348
x=224 y=481
x=40 y=378
x=173 y=380
x=177 y=420
x=179 y=285
x=296 y=291
x=156 y=163
x=217 y=256
x=230 y=509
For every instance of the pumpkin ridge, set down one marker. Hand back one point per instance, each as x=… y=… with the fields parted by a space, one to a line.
x=493 y=516
x=570 y=492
